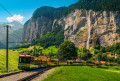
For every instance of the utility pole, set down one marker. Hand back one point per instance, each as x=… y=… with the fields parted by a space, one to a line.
x=58 y=55
x=7 y=32
x=34 y=50
x=62 y=55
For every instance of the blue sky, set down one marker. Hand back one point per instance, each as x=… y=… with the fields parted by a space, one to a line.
x=25 y=8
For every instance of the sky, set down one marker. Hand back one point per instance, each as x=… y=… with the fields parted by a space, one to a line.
x=22 y=10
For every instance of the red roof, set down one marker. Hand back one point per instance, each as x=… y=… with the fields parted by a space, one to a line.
x=44 y=56
x=109 y=63
x=102 y=62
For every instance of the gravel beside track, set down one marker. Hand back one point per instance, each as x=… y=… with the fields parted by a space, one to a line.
x=43 y=75
x=9 y=74
x=16 y=77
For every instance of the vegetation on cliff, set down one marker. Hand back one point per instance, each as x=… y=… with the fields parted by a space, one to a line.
x=49 y=12
x=55 y=37
x=96 y=5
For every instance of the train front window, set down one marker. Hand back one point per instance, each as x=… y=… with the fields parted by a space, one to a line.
x=24 y=59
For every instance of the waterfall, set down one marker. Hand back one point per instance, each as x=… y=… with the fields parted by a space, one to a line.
x=89 y=23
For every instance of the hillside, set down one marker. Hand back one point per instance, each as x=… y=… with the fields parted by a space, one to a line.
x=55 y=37
x=13 y=61
x=86 y=23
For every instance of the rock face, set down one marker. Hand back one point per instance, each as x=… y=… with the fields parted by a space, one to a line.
x=85 y=28
x=102 y=27
x=42 y=22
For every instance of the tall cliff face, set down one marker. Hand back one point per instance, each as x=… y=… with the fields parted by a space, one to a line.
x=42 y=22
x=85 y=27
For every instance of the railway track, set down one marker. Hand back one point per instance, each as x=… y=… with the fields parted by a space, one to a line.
x=9 y=74
x=25 y=76
x=28 y=78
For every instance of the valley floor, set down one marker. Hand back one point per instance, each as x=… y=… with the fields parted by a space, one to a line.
x=82 y=73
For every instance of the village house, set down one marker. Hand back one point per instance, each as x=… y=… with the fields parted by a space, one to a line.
x=109 y=54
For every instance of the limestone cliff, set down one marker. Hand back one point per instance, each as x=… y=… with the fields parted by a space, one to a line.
x=102 y=27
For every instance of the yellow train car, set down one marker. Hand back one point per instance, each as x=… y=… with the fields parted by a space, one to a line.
x=54 y=62
x=29 y=62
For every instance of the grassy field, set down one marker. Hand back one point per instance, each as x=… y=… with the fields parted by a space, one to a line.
x=50 y=49
x=85 y=73
x=13 y=61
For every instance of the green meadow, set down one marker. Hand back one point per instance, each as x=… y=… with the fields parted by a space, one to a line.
x=13 y=61
x=50 y=49
x=82 y=73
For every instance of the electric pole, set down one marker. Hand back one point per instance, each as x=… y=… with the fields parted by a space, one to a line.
x=7 y=32
x=34 y=50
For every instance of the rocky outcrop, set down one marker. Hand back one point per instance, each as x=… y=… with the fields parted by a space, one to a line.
x=104 y=27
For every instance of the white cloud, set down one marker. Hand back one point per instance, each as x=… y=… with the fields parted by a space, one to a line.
x=15 y=18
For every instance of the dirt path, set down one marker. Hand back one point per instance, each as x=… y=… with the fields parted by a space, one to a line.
x=43 y=76
x=113 y=71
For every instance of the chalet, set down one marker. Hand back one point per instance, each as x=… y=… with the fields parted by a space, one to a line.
x=117 y=56
x=110 y=63
x=109 y=54
x=77 y=60
x=103 y=62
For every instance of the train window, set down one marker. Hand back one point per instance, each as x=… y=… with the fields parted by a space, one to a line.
x=19 y=60
x=24 y=59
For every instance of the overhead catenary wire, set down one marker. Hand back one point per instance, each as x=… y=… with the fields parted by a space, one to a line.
x=9 y=12
x=6 y=9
